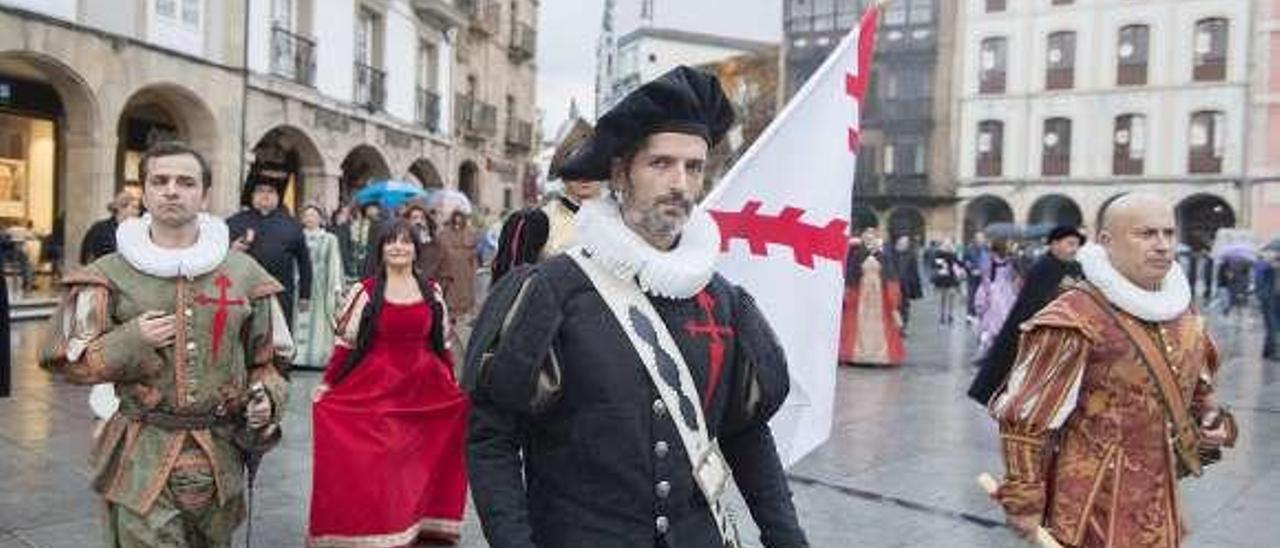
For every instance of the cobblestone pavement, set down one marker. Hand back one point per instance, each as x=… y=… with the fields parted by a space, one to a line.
x=898 y=470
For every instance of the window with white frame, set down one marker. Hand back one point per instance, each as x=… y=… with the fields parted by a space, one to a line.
x=177 y=24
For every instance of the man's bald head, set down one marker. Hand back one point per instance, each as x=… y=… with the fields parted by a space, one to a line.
x=1136 y=206
x=1139 y=232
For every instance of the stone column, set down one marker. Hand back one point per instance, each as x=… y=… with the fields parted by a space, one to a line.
x=86 y=186
x=320 y=187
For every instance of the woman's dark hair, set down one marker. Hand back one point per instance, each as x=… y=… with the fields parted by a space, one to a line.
x=390 y=232
x=523 y=235
x=1000 y=248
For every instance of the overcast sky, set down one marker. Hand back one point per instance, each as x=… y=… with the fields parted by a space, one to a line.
x=568 y=31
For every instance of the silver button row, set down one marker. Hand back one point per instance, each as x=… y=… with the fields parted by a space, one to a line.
x=662 y=489
x=659 y=408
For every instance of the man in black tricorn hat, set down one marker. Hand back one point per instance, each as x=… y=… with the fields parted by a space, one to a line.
x=616 y=386
x=267 y=232
x=1053 y=272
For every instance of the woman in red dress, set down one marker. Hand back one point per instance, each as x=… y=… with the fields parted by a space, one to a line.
x=389 y=420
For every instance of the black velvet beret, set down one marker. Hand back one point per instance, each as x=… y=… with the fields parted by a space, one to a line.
x=683 y=100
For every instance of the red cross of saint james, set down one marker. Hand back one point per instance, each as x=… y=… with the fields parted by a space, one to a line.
x=715 y=341
x=219 y=315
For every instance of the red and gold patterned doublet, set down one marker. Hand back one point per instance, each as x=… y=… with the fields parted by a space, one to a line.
x=1085 y=438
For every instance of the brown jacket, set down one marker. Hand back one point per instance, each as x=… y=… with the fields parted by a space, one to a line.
x=457 y=268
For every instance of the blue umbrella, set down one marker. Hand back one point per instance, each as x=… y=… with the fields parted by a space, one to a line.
x=388 y=193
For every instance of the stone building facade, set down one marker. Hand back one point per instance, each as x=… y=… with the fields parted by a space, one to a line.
x=338 y=92
x=1063 y=104
x=903 y=183
x=1263 y=169
x=85 y=85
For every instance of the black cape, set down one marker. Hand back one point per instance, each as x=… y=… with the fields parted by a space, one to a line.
x=1042 y=284
x=568 y=442
x=100 y=240
x=278 y=245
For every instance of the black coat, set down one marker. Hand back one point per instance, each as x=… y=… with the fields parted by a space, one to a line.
x=907 y=266
x=5 y=361
x=593 y=459
x=945 y=268
x=1042 y=285
x=99 y=240
x=278 y=245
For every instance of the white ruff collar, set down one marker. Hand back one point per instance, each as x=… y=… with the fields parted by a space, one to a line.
x=1171 y=300
x=133 y=240
x=679 y=273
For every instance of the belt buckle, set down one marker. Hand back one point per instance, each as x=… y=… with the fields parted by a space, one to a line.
x=711 y=473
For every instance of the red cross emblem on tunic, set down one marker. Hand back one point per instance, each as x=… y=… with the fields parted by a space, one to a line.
x=219 y=315
x=715 y=334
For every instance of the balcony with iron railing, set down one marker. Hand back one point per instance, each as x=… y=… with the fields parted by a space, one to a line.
x=475 y=118
x=912 y=40
x=442 y=12
x=898 y=109
x=880 y=185
x=990 y=165
x=1210 y=69
x=1060 y=78
x=1131 y=74
x=1204 y=160
x=519 y=134
x=524 y=41
x=293 y=56
x=991 y=81
x=371 y=89
x=1055 y=164
x=483 y=15
x=427 y=109
x=1123 y=162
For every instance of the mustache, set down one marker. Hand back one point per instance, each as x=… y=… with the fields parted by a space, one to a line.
x=676 y=199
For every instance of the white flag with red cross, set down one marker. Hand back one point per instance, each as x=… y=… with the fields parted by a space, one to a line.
x=783 y=212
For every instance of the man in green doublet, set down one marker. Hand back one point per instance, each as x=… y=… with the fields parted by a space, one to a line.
x=192 y=337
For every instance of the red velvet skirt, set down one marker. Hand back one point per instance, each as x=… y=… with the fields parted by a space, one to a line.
x=389 y=464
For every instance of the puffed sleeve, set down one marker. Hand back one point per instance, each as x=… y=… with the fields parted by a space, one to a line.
x=1039 y=397
x=346 y=326
x=759 y=387
x=270 y=346
x=511 y=372
x=87 y=346
x=1217 y=424
x=761 y=381
x=510 y=359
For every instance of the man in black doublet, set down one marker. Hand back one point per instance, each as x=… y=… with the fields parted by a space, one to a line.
x=570 y=443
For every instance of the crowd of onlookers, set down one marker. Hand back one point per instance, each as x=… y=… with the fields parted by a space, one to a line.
x=982 y=275
x=458 y=245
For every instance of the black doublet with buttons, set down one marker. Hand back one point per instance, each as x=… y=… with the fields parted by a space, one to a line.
x=570 y=445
